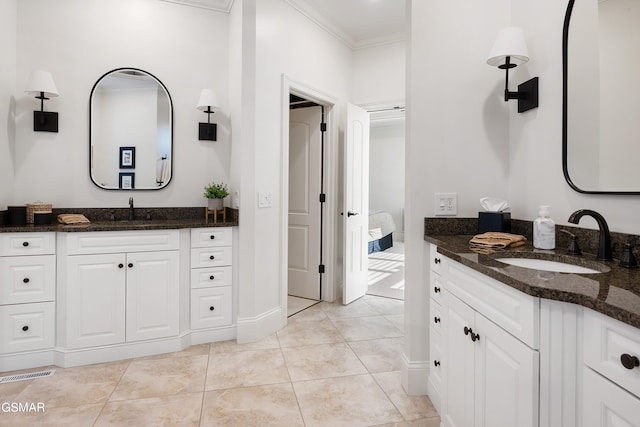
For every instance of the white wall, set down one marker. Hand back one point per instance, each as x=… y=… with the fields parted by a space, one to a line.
x=379 y=75
x=287 y=43
x=78 y=41
x=8 y=12
x=386 y=169
x=536 y=140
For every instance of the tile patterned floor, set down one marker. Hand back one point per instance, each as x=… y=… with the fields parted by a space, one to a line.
x=332 y=365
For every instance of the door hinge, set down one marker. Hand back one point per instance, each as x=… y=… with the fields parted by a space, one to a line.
x=323 y=197
x=323 y=127
x=321 y=268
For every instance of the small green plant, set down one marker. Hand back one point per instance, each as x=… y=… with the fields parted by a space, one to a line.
x=216 y=191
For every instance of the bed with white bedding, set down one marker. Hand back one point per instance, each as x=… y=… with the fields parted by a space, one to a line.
x=381 y=228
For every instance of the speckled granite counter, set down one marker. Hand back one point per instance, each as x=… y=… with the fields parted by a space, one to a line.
x=615 y=293
x=161 y=219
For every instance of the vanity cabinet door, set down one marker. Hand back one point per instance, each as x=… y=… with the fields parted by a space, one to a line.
x=506 y=378
x=152 y=295
x=95 y=300
x=458 y=364
x=607 y=405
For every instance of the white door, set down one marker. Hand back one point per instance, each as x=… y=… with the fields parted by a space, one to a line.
x=506 y=378
x=305 y=153
x=95 y=300
x=356 y=204
x=153 y=292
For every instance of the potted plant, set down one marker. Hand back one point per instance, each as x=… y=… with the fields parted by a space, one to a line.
x=215 y=193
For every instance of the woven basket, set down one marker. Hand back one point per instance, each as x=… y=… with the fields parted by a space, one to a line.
x=39 y=207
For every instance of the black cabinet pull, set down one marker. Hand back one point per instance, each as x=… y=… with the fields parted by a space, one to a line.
x=25 y=244
x=212 y=237
x=211 y=277
x=130 y=265
x=25 y=328
x=437 y=260
x=467 y=330
x=120 y=265
x=436 y=319
x=212 y=308
x=436 y=363
x=629 y=361
x=211 y=257
x=436 y=289
x=25 y=280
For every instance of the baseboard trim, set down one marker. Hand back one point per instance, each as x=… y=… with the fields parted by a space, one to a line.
x=252 y=329
x=415 y=376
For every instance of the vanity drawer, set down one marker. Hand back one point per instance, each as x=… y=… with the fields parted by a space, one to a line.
x=211 y=257
x=435 y=321
x=436 y=261
x=211 y=307
x=27 y=279
x=436 y=287
x=606 y=342
x=12 y=244
x=212 y=236
x=512 y=310
x=211 y=276
x=122 y=241
x=436 y=368
x=27 y=327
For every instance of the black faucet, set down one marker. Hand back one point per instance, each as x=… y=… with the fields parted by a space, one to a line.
x=131 y=215
x=604 y=246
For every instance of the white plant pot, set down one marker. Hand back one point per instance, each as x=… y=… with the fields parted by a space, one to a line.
x=215 y=204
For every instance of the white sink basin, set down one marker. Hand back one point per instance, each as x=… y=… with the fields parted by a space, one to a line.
x=547 y=265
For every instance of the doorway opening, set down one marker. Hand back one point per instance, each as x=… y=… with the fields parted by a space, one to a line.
x=306 y=199
x=386 y=202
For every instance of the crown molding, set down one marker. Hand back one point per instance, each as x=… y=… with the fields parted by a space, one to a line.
x=320 y=20
x=215 y=5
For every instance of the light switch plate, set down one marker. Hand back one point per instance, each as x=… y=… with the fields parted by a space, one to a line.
x=445 y=204
x=264 y=200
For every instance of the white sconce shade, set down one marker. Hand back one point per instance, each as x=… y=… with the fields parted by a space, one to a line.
x=208 y=100
x=509 y=43
x=41 y=81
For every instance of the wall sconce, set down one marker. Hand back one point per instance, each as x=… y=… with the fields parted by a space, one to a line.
x=509 y=51
x=209 y=104
x=41 y=84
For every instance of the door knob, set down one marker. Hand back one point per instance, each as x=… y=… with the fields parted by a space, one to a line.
x=349 y=213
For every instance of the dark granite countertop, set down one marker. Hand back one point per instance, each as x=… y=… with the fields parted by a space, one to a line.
x=615 y=292
x=114 y=219
x=118 y=226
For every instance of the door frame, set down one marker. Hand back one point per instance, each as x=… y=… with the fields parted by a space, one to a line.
x=292 y=86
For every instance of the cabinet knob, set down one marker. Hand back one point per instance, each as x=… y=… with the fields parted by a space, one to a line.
x=25 y=244
x=211 y=277
x=436 y=319
x=25 y=280
x=212 y=237
x=469 y=331
x=436 y=363
x=212 y=308
x=211 y=257
x=130 y=265
x=120 y=265
x=437 y=260
x=436 y=289
x=25 y=328
x=629 y=361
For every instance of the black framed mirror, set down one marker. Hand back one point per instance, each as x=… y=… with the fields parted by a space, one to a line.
x=131 y=131
x=601 y=85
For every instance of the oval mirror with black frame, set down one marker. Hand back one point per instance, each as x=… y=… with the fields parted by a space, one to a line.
x=131 y=131
x=601 y=89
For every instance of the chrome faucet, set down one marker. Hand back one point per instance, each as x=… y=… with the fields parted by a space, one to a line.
x=604 y=246
x=131 y=215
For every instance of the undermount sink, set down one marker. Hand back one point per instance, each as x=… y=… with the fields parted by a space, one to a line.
x=558 y=264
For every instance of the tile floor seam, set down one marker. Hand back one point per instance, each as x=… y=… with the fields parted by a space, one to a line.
x=390 y=400
x=204 y=386
x=104 y=404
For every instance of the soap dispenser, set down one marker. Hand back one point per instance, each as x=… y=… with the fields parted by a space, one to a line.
x=627 y=259
x=544 y=230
